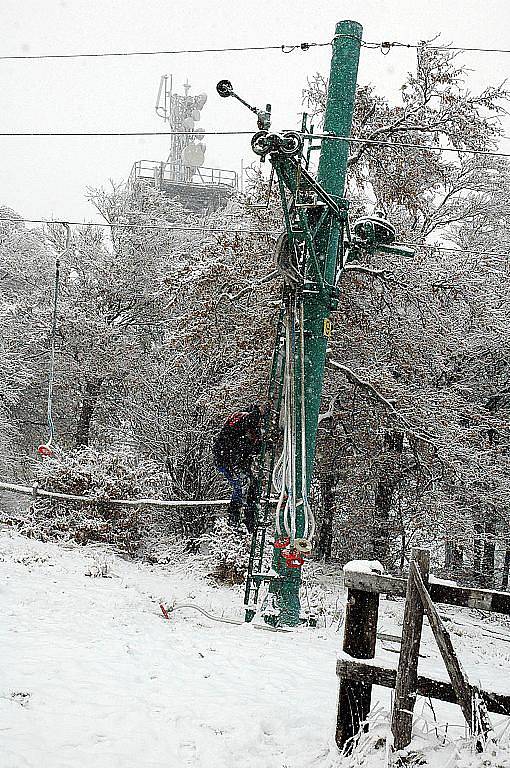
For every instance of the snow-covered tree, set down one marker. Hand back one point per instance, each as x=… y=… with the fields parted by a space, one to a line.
x=409 y=453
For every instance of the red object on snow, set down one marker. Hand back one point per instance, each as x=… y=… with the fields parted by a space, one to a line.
x=164 y=611
x=293 y=559
x=45 y=450
x=282 y=543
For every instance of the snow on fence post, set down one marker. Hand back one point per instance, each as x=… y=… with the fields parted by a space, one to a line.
x=360 y=634
x=407 y=674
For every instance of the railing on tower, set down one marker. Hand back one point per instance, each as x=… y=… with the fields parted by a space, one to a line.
x=171 y=172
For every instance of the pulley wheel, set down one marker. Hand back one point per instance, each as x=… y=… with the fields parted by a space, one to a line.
x=225 y=88
x=291 y=143
x=261 y=143
x=304 y=546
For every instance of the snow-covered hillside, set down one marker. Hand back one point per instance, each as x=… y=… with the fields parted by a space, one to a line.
x=92 y=675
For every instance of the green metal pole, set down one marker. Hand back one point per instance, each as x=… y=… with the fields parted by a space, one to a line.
x=340 y=106
x=331 y=175
x=316 y=307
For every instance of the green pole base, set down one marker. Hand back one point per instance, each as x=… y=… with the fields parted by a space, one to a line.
x=288 y=599
x=285 y=592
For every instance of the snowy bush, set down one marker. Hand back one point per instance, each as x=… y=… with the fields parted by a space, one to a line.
x=229 y=552
x=102 y=476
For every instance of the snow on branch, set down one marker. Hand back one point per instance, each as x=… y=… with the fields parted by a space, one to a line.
x=255 y=284
x=382 y=274
x=364 y=384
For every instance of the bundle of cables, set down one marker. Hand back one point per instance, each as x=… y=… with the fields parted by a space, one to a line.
x=284 y=473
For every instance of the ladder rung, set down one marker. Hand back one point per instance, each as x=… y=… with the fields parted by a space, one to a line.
x=265 y=576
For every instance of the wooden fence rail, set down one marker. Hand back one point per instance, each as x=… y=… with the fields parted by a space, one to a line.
x=357 y=670
x=440 y=592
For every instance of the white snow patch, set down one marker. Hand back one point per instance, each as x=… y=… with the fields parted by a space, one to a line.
x=436 y=580
x=93 y=676
x=364 y=566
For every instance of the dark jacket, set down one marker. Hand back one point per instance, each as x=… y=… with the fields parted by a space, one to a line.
x=239 y=440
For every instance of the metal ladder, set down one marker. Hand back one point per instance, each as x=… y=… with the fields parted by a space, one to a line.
x=259 y=564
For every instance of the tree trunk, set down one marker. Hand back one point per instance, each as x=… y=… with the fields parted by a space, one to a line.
x=325 y=541
x=506 y=569
x=453 y=556
x=92 y=390
x=386 y=486
x=489 y=547
x=484 y=546
x=477 y=550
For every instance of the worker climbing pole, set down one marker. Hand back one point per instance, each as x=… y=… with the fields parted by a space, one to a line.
x=310 y=254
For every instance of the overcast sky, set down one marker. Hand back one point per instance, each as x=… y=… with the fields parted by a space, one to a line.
x=44 y=177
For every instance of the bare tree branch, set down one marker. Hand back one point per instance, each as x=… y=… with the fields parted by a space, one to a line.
x=364 y=384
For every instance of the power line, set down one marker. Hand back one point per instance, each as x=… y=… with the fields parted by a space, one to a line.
x=283 y=48
x=224 y=230
x=116 y=134
x=384 y=46
x=131 y=225
x=451 y=250
x=408 y=145
x=323 y=136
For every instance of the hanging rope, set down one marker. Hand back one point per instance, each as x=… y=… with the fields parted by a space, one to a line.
x=284 y=473
x=45 y=449
x=309 y=525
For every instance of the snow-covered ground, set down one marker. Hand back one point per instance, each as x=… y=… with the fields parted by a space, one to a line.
x=92 y=675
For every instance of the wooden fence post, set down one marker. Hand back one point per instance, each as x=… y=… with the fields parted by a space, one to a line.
x=407 y=673
x=474 y=712
x=360 y=633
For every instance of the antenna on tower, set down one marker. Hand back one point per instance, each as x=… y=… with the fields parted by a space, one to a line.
x=183 y=173
x=164 y=97
x=187 y=152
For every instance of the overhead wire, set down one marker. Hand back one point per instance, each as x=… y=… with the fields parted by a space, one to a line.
x=455 y=250
x=407 y=145
x=323 y=136
x=226 y=230
x=131 y=225
x=282 y=47
x=384 y=46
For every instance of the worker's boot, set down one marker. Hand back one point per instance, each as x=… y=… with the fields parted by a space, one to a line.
x=251 y=505
x=234 y=513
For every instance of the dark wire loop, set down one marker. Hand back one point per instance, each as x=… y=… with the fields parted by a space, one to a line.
x=347 y=37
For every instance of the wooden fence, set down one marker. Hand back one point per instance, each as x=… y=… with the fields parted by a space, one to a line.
x=358 y=670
